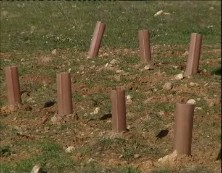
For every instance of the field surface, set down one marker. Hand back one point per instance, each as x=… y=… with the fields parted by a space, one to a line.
x=46 y=38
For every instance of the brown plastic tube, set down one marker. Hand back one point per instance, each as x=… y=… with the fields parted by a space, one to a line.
x=183 y=128
x=64 y=94
x=13 y=87
x=118 y=110
x=194 y=54
x=144 y=44
x=96 y=39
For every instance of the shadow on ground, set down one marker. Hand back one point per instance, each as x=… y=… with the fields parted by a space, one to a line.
x=217 y=71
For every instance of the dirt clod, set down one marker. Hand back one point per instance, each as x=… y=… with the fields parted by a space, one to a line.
x=168 y=86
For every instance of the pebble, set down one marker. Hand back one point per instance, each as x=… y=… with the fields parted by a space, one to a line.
x=191 y=101
x=121 y=156
x=204 y=70
x=168 y=86
x=129 y=99
x=179 y=76
x=154 y=90
x=106 y=65
x=161 y=113
x=175 y=67
x=90 y=160
x=105 y=55
x=96 y=111
x=158 y=13
x=119 y=71
x=136 y=156
x=54 y=52
x=37 y=169
x=148 y=67
x=69 y=149
x=30 y=100
x=198 y=108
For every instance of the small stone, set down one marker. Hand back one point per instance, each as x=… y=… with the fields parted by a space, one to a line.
x=119 y=71
x=30 y=100
x=161 y=113
x=90 y=160
x=136 y=156
x=128 y=97
x=54 y=52
x=121 y=156
x=204 y=70
x=148 y=67
x=211 y=8
x=154 y=90
x=175 y=67
x=105 y=54
x=168 y=86
x=96 y=111
x=179 y=76
x=37 y=169
x=69 y=149
x=106 y=65
x=193 y=84
x=191 y=101
x=158 y=13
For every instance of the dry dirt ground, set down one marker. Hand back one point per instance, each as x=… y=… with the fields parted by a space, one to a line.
x=150 y=110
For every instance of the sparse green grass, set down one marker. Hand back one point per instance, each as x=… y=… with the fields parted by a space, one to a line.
x=31 y=30
x=51 y=156
x=70 y=24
